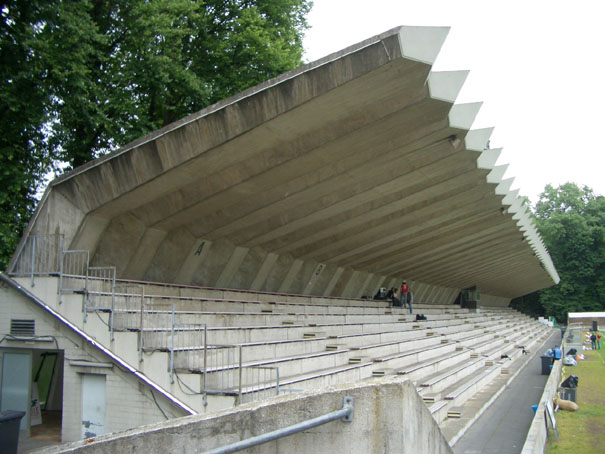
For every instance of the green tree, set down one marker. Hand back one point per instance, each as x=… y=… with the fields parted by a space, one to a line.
x=571 y=221
x=81 y=78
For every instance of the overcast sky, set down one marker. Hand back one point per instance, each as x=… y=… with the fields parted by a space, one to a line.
x=538 y=66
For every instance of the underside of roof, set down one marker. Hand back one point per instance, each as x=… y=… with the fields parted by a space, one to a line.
x=345 y=175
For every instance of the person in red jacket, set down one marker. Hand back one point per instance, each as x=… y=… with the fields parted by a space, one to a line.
x=405 y=289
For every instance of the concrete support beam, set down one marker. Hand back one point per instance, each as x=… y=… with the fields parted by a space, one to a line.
x=332 y=284
x=290 y=276
x=141 y=259
x=263 y=272
x=197 y=255
x=236 y=259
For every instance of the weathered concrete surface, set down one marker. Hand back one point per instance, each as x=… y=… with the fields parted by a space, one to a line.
x=388 y=417
x=346 y=174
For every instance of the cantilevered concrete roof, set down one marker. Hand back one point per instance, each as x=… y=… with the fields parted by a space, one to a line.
x=347 y=174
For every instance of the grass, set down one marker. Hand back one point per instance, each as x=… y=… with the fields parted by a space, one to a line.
x=583 y=431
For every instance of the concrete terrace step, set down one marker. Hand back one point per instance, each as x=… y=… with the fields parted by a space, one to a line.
x=377 y=344
x=160 y=338
x=195 y=303
x=178 y=290
x=303 y=364
x=458 y=393
x=350 y=372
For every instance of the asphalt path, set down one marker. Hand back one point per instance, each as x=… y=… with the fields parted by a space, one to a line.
x=503 y=427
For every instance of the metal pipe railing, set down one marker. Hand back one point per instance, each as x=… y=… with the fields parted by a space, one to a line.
x=345 y=415
x=172 y=346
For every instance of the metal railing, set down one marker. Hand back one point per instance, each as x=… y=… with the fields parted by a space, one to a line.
x=225 y=373
x=73 y=273
x=100 y=290
x=262 y=382
x=345 y=415
x=127 y=311
x=40 y=255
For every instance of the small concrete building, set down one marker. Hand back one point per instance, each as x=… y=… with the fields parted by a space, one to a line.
x=586 y=319
x=51 y=363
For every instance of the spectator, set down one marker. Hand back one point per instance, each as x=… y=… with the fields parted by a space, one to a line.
x=404 y=293
x=593 y=340
x=599 y=341
x=392 y=297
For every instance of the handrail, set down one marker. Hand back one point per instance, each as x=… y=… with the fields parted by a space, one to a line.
x=345 y=414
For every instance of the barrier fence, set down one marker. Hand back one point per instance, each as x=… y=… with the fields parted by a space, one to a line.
x=40 y=255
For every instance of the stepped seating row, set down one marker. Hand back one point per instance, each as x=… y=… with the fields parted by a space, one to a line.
x=248 y=300
x=247 y=334
x=447 y=399
x=325 y=341
x=407 y=352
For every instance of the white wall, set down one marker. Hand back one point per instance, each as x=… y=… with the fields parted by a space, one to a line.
x=129 y=402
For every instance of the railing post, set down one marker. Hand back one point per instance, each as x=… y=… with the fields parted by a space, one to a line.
x=205 y=398
x=172 y=347
x=113 y=297
x=277 y=381
x=141 y=337
x=239 y=386
x=113 y=308
x=85 y=273
x=60 y=289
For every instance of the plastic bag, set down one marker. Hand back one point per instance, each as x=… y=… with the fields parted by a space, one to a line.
x=570 y=382
x=570 y=361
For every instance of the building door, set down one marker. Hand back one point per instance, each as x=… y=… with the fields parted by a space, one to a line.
x=93 y=405
x=16 y=379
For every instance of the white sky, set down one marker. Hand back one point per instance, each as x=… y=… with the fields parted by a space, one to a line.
x=537 y=65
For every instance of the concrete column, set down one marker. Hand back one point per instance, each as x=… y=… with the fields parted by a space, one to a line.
x=314 y=277
x=236 y=259
x=366 y=284
x=263 y=272
x=141 y=259
x=287 y=282
x=195 y=258
x=349 y=289
x=89 y=234
x=330 y=287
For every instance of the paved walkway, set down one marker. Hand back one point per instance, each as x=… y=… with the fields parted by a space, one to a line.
x=502 y=428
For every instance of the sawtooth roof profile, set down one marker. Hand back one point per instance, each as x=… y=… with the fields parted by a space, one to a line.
x=346 y=174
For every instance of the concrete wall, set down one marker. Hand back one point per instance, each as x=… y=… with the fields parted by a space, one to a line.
x=388 y=417
x=128 y=403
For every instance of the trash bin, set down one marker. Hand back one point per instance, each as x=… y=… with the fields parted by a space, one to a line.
x=546 y=364
x=568 y=394
x=9 y=430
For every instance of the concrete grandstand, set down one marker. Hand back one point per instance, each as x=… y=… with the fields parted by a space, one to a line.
x=228 y=258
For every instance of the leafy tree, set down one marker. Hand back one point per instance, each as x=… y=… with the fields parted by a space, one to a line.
x=571 y=221
x=81 y=78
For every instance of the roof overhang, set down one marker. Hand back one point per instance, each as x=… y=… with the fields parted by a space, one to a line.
x=333 y=178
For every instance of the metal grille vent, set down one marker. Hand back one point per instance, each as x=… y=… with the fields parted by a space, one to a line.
x=23 y=327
